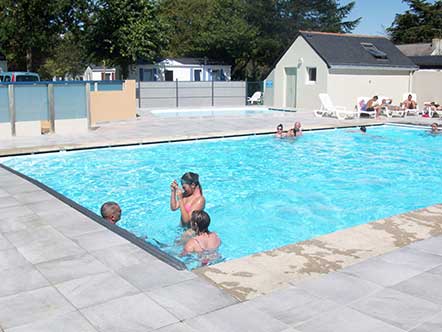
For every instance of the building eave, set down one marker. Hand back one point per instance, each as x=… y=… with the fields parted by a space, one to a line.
x=390 y=68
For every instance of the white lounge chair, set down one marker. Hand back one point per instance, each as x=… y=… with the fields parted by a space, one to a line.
x=359 y=109
x=411 y=111
x=256 y=98
x=328 y=109
x=389 y=113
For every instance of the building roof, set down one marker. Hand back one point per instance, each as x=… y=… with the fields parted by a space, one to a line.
x=187 y=61
x=338 y=50
x=428 y=61
x=421 y=49
x=101 y=68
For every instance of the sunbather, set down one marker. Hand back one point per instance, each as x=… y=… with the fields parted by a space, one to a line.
x=373 y=106
x=409 y=103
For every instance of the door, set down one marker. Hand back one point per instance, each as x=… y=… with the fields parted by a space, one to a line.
x=168 y=75
x=290 y=87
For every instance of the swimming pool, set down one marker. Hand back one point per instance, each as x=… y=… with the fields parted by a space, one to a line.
x=215 y=112
x=261 y=192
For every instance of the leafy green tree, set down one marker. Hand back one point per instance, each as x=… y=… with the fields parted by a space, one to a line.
x=123 y=31
x=421 y=23
x=250 y=34
x=30 y=29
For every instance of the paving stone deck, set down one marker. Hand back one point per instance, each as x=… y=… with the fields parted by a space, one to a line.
x=61 y=271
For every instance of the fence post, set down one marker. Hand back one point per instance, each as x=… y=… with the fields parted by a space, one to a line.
x=139 y=94
x=176 y=97
x=88 y=105
x=51 y=108
x=12 y=115
x=213 y=92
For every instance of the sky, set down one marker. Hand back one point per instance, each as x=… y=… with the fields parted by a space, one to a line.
x=376 y=14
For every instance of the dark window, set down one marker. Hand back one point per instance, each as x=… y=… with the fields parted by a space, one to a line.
x=168 y=75
x=370 y=48
x=26 y=78
x=197 y=75
x=7 y=79
x=311 y=71
x=1 y=78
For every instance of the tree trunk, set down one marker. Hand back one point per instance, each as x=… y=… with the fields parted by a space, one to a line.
x=28 y=59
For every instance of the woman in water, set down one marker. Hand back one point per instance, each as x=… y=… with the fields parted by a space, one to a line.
x=296 y=130
x=204 y=241
x=189 y=199
x=280 y=131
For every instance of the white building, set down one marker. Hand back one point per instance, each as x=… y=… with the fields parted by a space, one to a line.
x=345 y=66
x=99 y=73
x=181 y=69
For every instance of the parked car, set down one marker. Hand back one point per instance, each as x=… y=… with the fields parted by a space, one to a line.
x=19 y=76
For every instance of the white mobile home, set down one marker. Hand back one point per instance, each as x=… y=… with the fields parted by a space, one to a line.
x=99 y=73
x=181 y=69
x=345 y=66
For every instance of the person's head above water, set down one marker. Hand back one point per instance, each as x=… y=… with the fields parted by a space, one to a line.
x=434 y=127
x=297 y=125
x=111 y=211
x=190 y=181
x=279 y=127
x=363 y=129
x=200 y=222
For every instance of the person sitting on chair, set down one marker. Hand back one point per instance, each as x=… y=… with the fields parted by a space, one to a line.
x=409 y=103
x=373 y=106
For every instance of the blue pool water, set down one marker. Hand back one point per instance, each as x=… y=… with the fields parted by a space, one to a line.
x=261 y=192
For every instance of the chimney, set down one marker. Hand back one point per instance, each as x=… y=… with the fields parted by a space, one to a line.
x=436 y=45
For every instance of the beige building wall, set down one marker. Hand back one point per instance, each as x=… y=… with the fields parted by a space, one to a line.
x=300 y=56
x=427 y=86
x=269 y=90
x=346 y=85
x=114 y=105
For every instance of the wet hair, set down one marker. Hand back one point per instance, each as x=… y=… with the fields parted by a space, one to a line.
x=108 y=209
x=201 y=220
x=363 y=129
x=279 y=127
x=192 y=178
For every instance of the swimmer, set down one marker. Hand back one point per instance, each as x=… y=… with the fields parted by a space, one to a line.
x=296 y=130
x=434 y=128
x=279 y=131
x=188 y=199
x=363 y=129
x=111 y=212
x=204 y=239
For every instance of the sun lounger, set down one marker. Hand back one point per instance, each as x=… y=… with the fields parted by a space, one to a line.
x=256 y=98
x=390 y=112
x=328 y=109
x=359 y=102
x=409 y=111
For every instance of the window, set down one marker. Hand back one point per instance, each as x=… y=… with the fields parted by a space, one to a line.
x=148 y=75
x=168 y=75
x=197 y=75
x=311 y=74
x=370 y=48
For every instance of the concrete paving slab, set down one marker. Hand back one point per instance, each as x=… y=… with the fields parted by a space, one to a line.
x=436 y=270
x=433 y=245
x=381 y=272
x=95 y=289
x=78 y=227
x=98 y=240
x=19 y=279
x=8 y=201
x=191 y=298
x=396 y=308
x=10 y=258
x=136 y=313
x=413 y=258
x=124 y=255
x=292 y=306
x=32 y=306
x=432 y=325
x=21 y=223
x=72 y=267
x=70 y=322
x=4 y=243
x=426 y=286
x=154 y=275
x=237 y=318
x=346 y=320
x=339 y=287
x=178 y=327
x=11 y=213
x=42 y=244
x=33 y=197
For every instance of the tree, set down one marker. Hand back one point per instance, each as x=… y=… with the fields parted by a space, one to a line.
x=30 y=29
x=421 y=23
x=250 y=34
x=126 y=30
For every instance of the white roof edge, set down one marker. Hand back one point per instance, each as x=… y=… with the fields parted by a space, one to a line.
x=373 y=67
